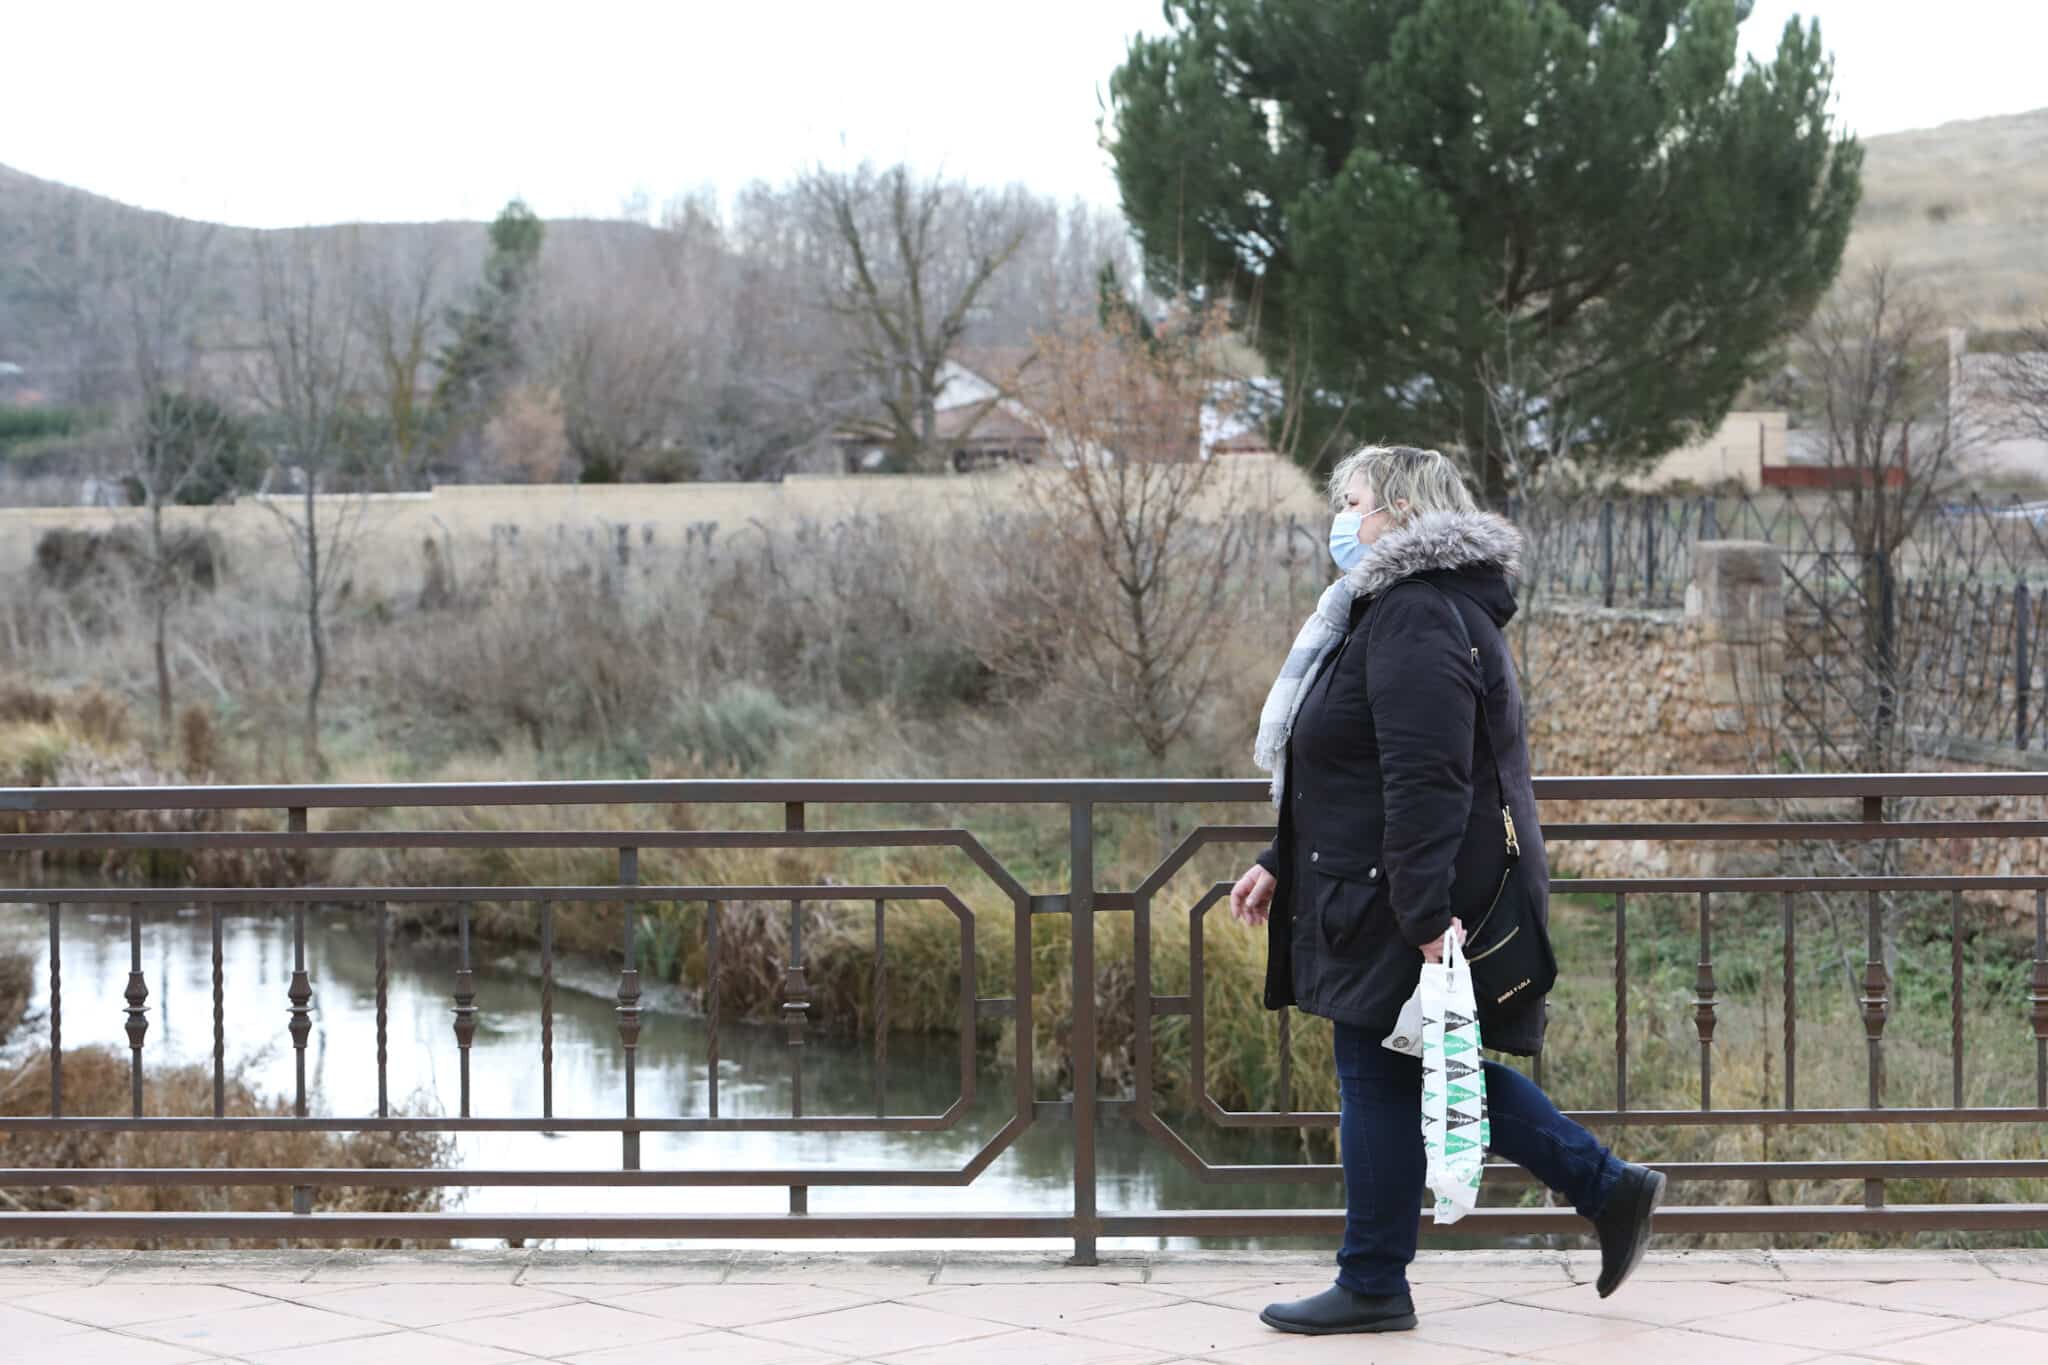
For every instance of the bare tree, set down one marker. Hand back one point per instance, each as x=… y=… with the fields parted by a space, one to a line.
x=1873 y=382
x=623 y=327
x=913 y=258
x=155 y=304
x=402 y=313
x=1119 y=571
x=308 y=379
x=2019 y=385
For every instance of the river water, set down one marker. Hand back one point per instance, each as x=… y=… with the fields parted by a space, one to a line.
x=1034 y=1175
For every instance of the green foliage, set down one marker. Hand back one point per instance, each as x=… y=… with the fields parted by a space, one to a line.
x=482 y=355
x=20 y=426
x=196 y=452
x=1503 y=226
x=1114 y=309
x=742 y=726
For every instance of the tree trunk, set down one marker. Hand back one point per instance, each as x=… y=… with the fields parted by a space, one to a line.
x=160 y=606
x=314 y=764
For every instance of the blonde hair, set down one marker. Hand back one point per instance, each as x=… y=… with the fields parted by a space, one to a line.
x=1426 y=480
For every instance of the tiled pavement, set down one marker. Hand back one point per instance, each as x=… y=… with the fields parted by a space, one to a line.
x=760 y=1308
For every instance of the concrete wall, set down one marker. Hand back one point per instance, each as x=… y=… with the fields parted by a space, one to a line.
x=394 y=526
x=1734 y=453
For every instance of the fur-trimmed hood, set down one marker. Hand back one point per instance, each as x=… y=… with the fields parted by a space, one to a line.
x=1438 y=540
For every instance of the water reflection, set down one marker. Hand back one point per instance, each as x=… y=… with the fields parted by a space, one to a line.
x=921 y=1076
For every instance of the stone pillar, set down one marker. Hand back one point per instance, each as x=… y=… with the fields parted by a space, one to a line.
x=1737 y=605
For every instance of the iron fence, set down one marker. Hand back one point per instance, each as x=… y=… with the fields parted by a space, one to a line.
x=39 y=817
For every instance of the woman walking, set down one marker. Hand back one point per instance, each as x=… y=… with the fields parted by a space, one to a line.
x=1394 y=736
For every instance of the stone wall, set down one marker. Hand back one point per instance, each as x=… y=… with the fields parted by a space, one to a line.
x=1612 y=692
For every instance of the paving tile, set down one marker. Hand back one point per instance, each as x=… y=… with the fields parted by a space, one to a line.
x=1515 y=1327
x=1825 y=1325
x=1879 y=1265
x=1978 y=1300
x=1725 y=1267
x=569 y=1327
x=597 y=1267
x=20 y=1327
x=986 y=1267
x=394 y=1348
x=106 y=1348
x=219 y=1267
x=1190 y=1328
x=2016 y=1264
x=1034 y=1305
x=429 y=1305
x=888 y=1271
x=1248 y=1267
x=271 y=1326
x=1658 y=1303
x=1381 y=1348
x=93 y=1265
x=1429 y=1298
x=738 y=1305
x=711 y=1348
x=1029 y=1347
x=1459 y=1266
x=875 y=1328
x=1984 y=1341
x=422 y=1267
x=2034 y=1321
x=112 y=1306
x=1676 y=1346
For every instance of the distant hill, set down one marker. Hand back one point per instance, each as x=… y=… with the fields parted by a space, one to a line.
x=49 y=231
x=1965 y=208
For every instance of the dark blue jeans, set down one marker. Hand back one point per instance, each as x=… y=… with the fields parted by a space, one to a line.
x=1381 y=1138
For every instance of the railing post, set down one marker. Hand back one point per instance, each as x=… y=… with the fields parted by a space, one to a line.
x=1607 y=552
x=796 y=1005
x=2023 y=661
x=2037 y=996
x=1703 y=1002
x=1081 y=918
x=300 y=992
x=629 y=1006
x=1653 y=512
x=1875 y=1001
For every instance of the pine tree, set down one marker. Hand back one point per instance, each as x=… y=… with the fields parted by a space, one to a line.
x=482 y=355
x=1515 y=227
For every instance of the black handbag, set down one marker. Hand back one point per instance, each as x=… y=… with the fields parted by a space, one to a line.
x=1507 y=947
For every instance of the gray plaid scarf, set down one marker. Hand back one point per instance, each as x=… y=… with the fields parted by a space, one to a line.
x=1320 y=635
x=1433 y=540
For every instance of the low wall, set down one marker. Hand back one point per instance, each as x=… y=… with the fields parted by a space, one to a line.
x=467 y=516
x=1643 y=692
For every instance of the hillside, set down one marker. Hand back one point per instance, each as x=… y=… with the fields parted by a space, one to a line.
x=1964 y=206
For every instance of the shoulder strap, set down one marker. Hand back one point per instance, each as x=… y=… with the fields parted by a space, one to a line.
x=1514 y=847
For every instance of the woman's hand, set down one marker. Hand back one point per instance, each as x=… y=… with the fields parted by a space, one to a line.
x=1251 y=900
x=1434 y=952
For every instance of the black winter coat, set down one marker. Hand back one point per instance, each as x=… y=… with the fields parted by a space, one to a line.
x=1389 y=820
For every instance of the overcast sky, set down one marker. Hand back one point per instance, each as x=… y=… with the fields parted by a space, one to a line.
x=278 y=112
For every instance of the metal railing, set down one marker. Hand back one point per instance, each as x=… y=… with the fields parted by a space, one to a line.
x=1860 y=811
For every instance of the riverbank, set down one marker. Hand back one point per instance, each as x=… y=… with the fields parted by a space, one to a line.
x=96 y=1081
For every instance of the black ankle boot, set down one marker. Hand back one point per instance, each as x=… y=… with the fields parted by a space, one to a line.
x=1337 y=1309
x=1624 y=1224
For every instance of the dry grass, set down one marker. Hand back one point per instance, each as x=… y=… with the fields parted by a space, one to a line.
x=96 y=1081
x=1963 y=207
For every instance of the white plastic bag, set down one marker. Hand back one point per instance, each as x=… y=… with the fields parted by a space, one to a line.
x=1455 y=1132
x=1407 y=1035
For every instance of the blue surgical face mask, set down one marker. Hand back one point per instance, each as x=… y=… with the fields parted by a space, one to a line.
x=1345 y=547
